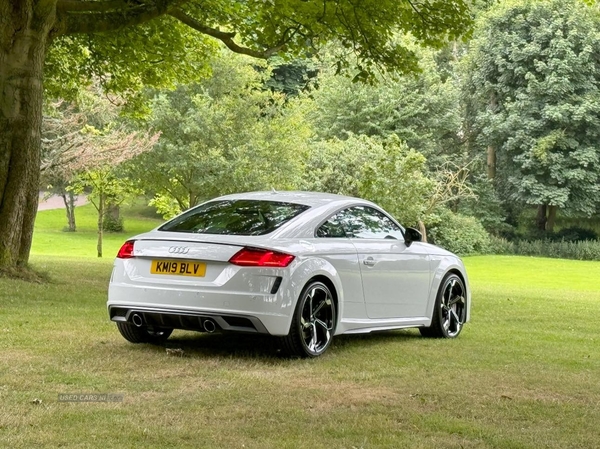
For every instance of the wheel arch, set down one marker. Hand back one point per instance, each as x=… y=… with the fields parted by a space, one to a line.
x=457 y=272
x=441 y=267
x=317 y=269
x=465 y=282
x=331 y=286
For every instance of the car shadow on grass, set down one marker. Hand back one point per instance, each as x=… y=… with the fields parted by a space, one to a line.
x=253 y=346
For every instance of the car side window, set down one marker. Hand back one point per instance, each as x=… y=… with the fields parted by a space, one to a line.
x=332 y=228
x=361 y=222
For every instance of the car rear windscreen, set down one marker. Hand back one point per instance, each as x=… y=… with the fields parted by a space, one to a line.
x=235 y=217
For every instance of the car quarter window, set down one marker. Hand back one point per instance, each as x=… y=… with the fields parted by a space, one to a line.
x=332 y=228
x=361 y=222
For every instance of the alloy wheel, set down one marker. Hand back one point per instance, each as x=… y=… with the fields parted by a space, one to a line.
x=317 y=318
x=453 y=307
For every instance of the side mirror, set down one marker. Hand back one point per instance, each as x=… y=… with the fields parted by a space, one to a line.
x=412 y=235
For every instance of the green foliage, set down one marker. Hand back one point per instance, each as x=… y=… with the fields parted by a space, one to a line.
x=458 y=233
x=112 y=224
x=397 y=181
x=337 y=166
x=569 y=234
x=165 y=51
x=385 y=171
x=157 y=54
x=501 y=246
x=562 y=249
x=421 y=109
x=575 y=234
x=165 y=205
x=223 y=135
x=487 y=207
x=104 y=186
x=584 y=250
x=82 y=136
x=534 y=84
x=291 y=77
x=365 y=31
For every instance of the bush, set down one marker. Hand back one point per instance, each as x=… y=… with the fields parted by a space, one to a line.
x=458 y=233
x=112 y=224
x=583 y=250
x=499 y=245
x=575 y=234
x=570 y=234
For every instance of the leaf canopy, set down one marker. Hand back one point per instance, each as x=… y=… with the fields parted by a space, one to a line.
x=128 y=44
x=535 y=82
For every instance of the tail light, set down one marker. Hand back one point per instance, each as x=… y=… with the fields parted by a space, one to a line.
x=126 y=251
x=253 y=257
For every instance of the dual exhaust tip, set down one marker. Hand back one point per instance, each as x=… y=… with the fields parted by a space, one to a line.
x=137 y=320
x=207 y=324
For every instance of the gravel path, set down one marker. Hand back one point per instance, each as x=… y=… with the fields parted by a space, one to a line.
x=56 y=202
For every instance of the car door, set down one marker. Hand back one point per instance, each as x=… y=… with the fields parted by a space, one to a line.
x=395 y=278
x=332 y=244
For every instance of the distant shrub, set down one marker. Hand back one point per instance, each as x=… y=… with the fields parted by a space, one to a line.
x=112 y=224
x=571 y=234
x=575 y=234
x=500 y=245
x=582 y=250
x=458 y=233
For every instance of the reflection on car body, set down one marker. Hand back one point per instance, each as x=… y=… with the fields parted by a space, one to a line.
x=300 y=266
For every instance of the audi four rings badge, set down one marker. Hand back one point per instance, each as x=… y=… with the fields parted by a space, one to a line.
x=179 y=250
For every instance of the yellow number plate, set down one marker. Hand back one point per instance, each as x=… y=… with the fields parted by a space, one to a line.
x=179 y=268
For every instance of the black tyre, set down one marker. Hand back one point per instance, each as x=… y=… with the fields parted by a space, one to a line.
x=313 y=324
x=143 y=334
x=450 y=309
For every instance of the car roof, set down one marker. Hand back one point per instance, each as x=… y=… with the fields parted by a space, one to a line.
x=312 y=199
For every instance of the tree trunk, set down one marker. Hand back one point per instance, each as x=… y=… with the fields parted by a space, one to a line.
x=551 y=218
x=491 y=151
x=24 y=30
x=113 y=211
x=69 y=200
x=101 y=201
x=540 y=220
x=423 y=231
x=112 y=217
x=71 y=216
x=491 y=162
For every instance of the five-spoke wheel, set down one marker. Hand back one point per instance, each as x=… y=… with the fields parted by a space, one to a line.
x=450 y=309
x=313 y=323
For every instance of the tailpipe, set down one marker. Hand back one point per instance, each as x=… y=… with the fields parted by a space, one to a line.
x=137 y=320
x=209 y=326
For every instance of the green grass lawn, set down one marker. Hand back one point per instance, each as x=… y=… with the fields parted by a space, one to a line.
x=49 y=236
x=524 y=373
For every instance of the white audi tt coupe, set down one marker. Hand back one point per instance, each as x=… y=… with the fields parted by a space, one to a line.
x=298 y=265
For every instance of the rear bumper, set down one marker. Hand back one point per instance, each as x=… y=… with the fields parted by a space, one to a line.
x=187 y=319
x=186 y=309
x=258 y=300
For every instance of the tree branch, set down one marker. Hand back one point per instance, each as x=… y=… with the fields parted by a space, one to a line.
x=77 y=21
x=418 y=11
x=84 y=16
x=93 y=6
x=225 y=37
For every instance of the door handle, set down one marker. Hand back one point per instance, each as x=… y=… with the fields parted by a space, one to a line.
x=369 y=261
